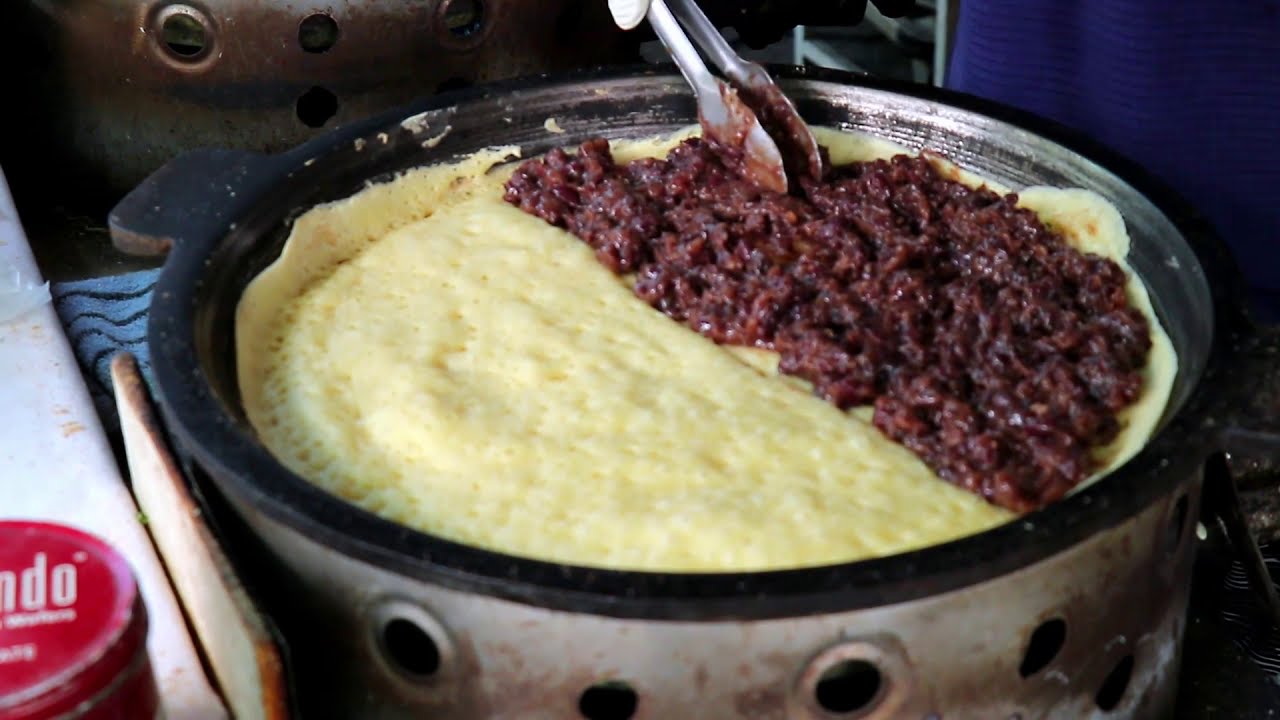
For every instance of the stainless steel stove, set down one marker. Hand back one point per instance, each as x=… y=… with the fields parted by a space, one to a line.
x=66 y=225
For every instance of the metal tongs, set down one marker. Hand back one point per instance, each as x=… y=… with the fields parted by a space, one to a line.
x=749 y=112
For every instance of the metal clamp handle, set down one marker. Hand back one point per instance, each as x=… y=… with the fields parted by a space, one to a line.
x=687 y=58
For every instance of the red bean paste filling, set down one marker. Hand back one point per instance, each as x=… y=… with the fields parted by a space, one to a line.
x=988 y=346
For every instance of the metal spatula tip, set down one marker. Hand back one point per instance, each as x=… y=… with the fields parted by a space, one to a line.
x=784 y=138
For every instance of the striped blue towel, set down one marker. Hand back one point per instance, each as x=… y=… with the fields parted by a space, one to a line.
x=104 y=316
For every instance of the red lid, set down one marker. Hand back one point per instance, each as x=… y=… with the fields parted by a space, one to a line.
x=71 y=619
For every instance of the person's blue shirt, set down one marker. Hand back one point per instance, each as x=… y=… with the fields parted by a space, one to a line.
x=1190 y=89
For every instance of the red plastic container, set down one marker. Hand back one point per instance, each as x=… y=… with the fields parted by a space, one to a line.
x=73 y=629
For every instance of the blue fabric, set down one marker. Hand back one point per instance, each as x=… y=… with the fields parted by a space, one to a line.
x=103 y=316
x=1190 y=89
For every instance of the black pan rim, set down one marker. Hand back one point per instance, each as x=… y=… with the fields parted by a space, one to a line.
x=248 y=474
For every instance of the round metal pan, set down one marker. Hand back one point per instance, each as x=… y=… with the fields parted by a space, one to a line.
x=222 y=216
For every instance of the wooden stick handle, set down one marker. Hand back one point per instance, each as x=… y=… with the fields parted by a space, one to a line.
x=239 y=648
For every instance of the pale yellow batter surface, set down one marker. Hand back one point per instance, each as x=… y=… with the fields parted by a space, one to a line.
x=441 y=358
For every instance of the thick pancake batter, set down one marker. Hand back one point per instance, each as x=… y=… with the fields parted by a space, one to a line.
x=441 y=358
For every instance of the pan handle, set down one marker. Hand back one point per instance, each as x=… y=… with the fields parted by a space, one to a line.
x=193 y=197
x=1242 y=479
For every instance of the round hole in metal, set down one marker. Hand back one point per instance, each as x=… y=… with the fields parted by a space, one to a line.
x=410 y=648
x=463 y=18
x=1116 y=682
x=609 y=700
x=848 y=686
x=1046 y=640
x=316 y=106
x=1177 y=525
x=183 y=34
x=317 y=33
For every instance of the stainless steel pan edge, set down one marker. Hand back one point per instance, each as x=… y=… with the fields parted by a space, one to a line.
x=355 y=553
